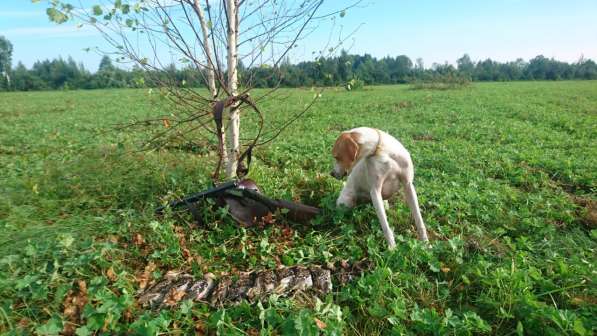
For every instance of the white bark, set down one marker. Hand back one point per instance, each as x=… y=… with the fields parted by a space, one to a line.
x=211 y=77
x=234 y=126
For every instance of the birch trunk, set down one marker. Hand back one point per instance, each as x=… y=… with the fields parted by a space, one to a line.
x=234 y=126
x=211 y=76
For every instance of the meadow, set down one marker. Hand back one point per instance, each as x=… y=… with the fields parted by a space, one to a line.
x=505 y=172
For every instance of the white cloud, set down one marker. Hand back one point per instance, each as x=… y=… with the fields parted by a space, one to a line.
x=51 y=31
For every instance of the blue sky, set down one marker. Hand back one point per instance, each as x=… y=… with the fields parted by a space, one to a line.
x=437 y=31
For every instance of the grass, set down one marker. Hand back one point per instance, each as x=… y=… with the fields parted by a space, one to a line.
x=505 y=174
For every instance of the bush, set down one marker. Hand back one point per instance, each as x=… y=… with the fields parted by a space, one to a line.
x=354 y=84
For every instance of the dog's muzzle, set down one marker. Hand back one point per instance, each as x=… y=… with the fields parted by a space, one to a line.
x=337 y=175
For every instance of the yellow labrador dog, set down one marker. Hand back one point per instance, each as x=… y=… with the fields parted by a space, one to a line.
x=377 y=165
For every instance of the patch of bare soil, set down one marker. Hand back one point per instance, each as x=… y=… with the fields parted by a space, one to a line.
x=424 y=137
x=402 y=105
x=588 y=212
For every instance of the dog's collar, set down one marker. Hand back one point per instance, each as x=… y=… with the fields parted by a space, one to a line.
x=378 y=147
x=379 y=144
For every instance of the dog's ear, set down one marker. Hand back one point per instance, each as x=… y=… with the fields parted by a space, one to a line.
x=346 y=149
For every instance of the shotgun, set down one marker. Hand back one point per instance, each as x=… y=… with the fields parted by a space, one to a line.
x=213 y=192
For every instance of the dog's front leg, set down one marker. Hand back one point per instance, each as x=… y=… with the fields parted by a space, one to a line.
x=378 y=204
x=347 y=196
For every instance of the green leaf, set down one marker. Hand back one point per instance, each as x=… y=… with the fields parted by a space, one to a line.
x=519 y=329
x=287 y=260
x=342 y=13
x=30 y=250
x=579 y=328
x=186 y=306
x=304 y=324
x=97 y=10
x=434 y=267
x=52 y=327
x=209 y=24
x=125 y=9
x=393 y=320
x=83 y=331
x=56 y=16
x=129 y=22
x=24 y=282
x=66 y=240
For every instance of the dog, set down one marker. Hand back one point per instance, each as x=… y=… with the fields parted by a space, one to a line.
x=377 y=165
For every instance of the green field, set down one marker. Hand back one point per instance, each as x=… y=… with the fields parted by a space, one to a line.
x=506 y=175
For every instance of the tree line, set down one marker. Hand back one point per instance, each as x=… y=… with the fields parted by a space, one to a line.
x=332 y=71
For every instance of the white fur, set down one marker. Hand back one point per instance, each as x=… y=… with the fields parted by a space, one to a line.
x=376 y=176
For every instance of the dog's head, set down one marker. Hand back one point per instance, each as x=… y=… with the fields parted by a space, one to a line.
x=345 y=152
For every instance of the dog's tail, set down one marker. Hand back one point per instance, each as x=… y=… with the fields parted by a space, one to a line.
x=413 y=204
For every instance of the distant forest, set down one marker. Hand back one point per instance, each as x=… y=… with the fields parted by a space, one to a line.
x=60 y=74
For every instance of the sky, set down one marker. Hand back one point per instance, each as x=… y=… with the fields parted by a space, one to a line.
x=437 y=31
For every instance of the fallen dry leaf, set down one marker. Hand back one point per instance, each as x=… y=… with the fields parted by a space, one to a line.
x=73 y=305
x=287 y=232
x=138 y=239
x=344 y=263
x=320 y=324
x=172 y=274
x=82 y=286
x=111 y=275
x=186 y=254
x=581 y=300
x=145 y=276
x=23 y=323
x=200 y=328
x=268 y=219
x=68 y=329
x=128 y=315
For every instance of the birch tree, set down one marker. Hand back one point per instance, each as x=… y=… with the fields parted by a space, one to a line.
x=211 y=39
x=5 y=59
x=234 y=126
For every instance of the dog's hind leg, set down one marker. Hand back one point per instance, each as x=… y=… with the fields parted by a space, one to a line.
x=413 y=203
x=378 y=204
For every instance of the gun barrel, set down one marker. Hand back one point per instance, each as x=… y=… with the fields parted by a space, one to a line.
x=200 y=195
